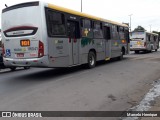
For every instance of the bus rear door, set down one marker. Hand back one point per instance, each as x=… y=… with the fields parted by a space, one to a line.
x=74 y=36
x=107 y=36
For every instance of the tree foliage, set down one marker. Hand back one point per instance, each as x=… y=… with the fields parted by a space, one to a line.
x=156 y=32
x=139 y=29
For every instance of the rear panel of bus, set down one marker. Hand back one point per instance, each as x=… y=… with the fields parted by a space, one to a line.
x=138 y=41
x=23 y=43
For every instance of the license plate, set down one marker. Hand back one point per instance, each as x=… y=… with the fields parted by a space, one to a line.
x=20 y=54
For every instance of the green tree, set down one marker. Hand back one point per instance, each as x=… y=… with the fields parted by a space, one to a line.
x=139 y=29
x=157 y=33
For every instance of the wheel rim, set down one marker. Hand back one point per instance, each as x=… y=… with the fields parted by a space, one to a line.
x=91 y=60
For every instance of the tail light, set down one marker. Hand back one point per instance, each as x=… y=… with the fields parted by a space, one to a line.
x=69 y=40
x=3 y=50
x=41 y=49
x=145 y=44
x=123 y=41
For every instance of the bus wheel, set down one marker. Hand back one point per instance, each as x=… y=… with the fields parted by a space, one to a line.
x=13 y=68
x=155 y=50
x=136 y=51
x=121 y=56
x=91 y=60
x=26 y=67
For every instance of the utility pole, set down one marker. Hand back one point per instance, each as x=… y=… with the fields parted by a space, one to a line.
x=150 y=27
x=81 y=5
x=130 y=22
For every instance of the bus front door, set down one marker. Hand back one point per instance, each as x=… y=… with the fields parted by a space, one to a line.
x=74 y=36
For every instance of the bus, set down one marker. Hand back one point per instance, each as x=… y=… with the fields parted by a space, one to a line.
x=144 y=41
x=0 y=39
x=39 y=34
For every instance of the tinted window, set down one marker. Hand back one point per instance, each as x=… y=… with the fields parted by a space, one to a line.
x=149 y=37
x=73 y=29
x=121 y=33
x=98 y=30
x=121 y=29
x=115 y=34
x=118 y=28
x=155 y=38
x=55 y=23
x=86 y=23
x=87 y=28
x=127 y=35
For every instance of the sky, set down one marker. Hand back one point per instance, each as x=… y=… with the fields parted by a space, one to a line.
x=145 y=13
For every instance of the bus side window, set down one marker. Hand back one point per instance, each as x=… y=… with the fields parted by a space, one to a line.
x=86 y=25
x=114 y=32
x=118 y=28
x=154 y=38
x=149 y=38
x=97 y=30
x=69 y=30
x=73 y=29
x=55 y=23
x=126 y=31
x=121 y=33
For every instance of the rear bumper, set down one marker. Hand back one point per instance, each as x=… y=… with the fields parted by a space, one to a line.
x=33 y=62
x=140 y=49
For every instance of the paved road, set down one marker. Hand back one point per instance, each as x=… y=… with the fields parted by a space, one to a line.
x=114 y=85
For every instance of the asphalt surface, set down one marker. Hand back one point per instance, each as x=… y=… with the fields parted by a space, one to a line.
x=111 y=86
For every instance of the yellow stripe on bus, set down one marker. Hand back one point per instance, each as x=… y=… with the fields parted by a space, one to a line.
x=55 y=7
x=71 y=11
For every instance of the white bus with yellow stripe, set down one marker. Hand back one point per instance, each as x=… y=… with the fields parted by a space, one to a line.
x=39 y=34
x=144 y=41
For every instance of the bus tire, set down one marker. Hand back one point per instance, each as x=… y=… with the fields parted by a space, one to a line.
x=155 y=50
x=121 y=56
x=136 y=51
x=13 y=68
x=26 y=67
x=91 y=60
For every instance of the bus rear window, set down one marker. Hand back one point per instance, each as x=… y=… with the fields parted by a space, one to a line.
x=20 y=31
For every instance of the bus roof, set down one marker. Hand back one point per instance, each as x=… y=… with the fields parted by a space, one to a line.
x=152 y=33
x=52 y=6
x=83 y=14
x=145 y=32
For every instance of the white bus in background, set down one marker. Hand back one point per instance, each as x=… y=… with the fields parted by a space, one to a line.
x=40 y=34
x=0 y=43
x=0 y=38
x=144 y=41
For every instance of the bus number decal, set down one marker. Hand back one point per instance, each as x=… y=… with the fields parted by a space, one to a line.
x=25 y=43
